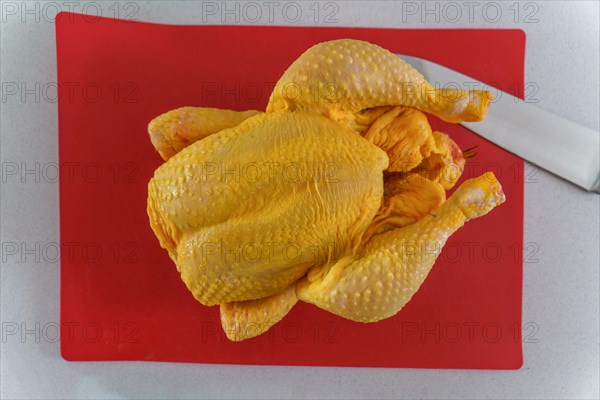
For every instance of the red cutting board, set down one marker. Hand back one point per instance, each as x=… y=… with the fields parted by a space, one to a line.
x=121 y=296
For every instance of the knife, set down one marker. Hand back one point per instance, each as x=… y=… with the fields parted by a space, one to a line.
x=553 y=143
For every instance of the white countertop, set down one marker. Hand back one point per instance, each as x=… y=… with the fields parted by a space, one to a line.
x=560 y=294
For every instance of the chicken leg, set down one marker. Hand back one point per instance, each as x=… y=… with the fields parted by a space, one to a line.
x=342 y=77
x=376 y=284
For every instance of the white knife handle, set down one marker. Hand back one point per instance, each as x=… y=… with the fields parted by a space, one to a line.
x=554 y=143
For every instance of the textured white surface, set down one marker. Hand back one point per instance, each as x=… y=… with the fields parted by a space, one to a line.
x=561 y=291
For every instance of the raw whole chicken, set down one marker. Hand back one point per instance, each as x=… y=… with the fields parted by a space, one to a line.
x=335 y=195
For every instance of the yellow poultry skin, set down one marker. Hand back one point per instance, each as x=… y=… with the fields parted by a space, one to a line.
x=336 y=195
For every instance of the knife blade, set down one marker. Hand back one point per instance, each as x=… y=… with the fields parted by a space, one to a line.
x=547 y=140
